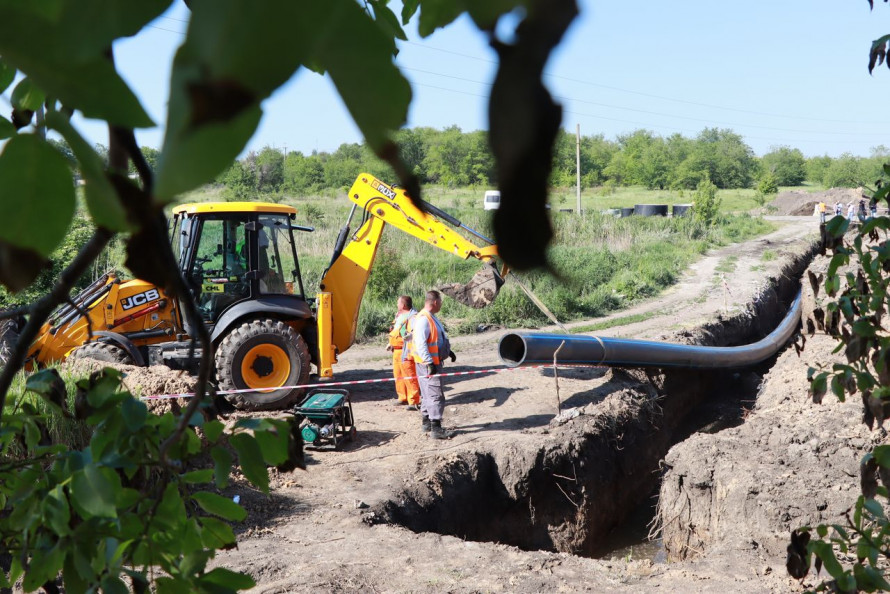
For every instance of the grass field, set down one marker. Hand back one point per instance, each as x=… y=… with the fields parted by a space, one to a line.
x=605 y=264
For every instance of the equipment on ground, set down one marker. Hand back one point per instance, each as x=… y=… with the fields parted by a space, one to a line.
x=241 y=263
x=325 y=418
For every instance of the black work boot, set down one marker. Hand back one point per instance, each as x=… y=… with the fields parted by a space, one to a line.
x=436 y=431
x=425 y=424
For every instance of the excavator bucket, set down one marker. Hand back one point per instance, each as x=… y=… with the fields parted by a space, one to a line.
x=480 y=291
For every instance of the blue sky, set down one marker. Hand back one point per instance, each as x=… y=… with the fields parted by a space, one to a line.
x=790 y=73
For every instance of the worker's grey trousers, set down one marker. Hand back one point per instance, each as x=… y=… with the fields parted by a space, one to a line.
x=432 y=399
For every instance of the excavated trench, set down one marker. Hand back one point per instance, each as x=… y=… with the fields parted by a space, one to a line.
x=573 y=486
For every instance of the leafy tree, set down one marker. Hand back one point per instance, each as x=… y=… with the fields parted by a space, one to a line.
x=816 y=168
x=596 y=153
x=766 y=188
x=844 y=172
x=724 y=157
x=240 y=181
x=94 y=515
x=787 y=165
x=268 y=167
x=303 y=174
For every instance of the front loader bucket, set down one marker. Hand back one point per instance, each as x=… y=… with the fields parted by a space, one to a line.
x=480 y=291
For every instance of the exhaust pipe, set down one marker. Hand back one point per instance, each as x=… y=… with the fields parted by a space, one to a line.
x=526 y=349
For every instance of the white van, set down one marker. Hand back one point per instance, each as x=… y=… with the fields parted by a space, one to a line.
x=492 y=200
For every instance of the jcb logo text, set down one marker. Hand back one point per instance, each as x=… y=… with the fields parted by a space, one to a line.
x=139 y=299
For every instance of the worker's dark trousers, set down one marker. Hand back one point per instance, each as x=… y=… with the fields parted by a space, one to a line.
x=432 y=400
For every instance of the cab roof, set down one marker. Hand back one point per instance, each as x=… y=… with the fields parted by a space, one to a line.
x=212 y=207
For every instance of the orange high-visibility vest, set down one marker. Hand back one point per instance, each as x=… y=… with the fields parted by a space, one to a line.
x=395 y=335
x=432 y=343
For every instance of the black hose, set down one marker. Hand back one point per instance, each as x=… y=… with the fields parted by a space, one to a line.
x=525 y=349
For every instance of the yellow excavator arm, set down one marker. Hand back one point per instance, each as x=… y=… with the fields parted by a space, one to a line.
x=343 y=283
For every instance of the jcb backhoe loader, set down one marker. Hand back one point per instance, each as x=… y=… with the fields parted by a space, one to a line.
x=241 y=262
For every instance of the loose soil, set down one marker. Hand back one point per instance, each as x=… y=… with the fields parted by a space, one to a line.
x=800 y=203
x=518 y=493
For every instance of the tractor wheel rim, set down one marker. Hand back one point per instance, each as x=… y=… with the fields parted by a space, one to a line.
x=265 y=366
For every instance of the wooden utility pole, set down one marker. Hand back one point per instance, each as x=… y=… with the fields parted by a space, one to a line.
x=578 y=164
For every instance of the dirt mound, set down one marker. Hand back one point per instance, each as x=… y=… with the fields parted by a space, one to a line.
x=144 y=381
x=787 y=466
x=800 y=203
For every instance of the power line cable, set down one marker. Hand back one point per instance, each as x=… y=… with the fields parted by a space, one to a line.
x=642 y=94
x=648 y=112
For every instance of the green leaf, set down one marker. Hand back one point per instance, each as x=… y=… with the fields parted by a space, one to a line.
x=222 y=465
x=273 y=443
x=27 y=96
x=127 y=498
x=39 y=179
x=45 y=565
x=212 y=430
x=881 y=455
x=7 y=75
x=134 y=413
x=864 y=327
x=220 y=506
x=837 y=226
x=102 y=199
x=7 y=130
x=216 y=534
x=373 y=89
x=216 y=84
x=388 y=21
x=93 y=492
x=824 y=551
x=74 y=67
x=874 y=507
x=228 y=579
x=56 y=512
x=111 y=584
x=250 y=457
x=870 y=579
x=435 y=14
x=197 y=477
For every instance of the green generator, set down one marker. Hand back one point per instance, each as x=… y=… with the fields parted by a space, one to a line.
x=325 y=417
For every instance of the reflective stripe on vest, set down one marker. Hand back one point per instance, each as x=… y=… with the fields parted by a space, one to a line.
x=432 y=342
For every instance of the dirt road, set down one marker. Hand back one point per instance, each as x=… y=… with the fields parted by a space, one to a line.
x=321 y=528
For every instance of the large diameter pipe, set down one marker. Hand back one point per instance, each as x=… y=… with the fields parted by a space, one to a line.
x=525 y=349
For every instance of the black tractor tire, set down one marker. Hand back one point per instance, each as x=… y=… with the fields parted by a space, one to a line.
x=103 y=351
x=262 y=353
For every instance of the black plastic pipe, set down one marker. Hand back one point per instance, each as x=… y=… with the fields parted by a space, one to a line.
x=525 y=349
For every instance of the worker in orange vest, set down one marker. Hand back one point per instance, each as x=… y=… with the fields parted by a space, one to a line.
x=429 y=346
x=407 y=388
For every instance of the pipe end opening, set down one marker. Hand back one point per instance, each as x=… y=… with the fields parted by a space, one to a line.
x=511 y=350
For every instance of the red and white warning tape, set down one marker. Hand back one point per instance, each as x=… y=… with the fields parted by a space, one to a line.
x=365 y=381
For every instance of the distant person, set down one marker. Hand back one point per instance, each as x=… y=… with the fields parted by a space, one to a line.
x=430 y=346
x=838 y=208
x=862 y=212
x=873 y=207
x=407 y=388
x=822 y=209
x=851 y=210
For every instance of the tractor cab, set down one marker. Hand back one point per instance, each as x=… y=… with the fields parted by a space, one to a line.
x=231 y=252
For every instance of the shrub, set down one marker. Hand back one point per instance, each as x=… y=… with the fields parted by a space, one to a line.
x=706 y=201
